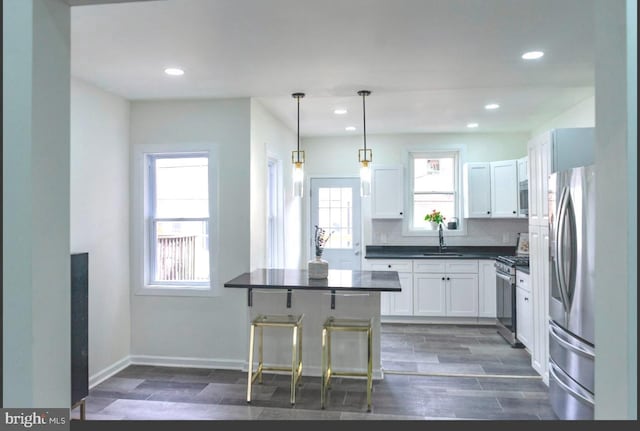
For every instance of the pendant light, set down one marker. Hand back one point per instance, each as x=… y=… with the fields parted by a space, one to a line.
x=364 y=155
x=297 y=157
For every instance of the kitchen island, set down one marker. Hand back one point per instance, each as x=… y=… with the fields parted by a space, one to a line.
x=343 y=294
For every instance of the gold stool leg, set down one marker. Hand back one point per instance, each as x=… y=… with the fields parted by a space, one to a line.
x=260 y=356
x=323 y=387
x=299 y=368
x=83 y=410
x=250 y=366
x=329 y=370
x=294 y=364
x=369 y=367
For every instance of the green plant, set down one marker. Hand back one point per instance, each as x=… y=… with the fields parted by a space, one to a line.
x=320 y=239
x=434 y=216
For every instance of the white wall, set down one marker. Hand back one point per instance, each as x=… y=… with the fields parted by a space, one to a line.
x=100 y=218
x=271 y=138
x=616 y=196
x=582 y=114
x=338 y=156
x=212 y=330
x=36 y=261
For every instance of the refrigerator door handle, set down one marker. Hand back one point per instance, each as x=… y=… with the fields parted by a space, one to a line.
x=556 y=333
x=579 y=393
x=558 y=229
x=570 y=214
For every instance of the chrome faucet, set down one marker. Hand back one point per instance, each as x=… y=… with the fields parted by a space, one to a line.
x=441 y=246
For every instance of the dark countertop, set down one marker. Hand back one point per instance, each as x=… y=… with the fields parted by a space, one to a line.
x=338 y=280
x=523 y=268
x=418 y=252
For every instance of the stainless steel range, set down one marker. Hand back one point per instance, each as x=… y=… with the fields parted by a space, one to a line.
x=506 y=296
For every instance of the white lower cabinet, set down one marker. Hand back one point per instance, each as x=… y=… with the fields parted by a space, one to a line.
x=487 y=289
x=430 y=296
x=445 y=295
x=462 y=295
x=402 y=302
x=395 y=303
x=439 y=291
x=524 y=311
x=439 y=287
x=539 y=285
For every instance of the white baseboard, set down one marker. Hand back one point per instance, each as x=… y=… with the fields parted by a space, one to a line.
x=187 y=362
x=439 y=320
x=111 y=370
x=239 y=365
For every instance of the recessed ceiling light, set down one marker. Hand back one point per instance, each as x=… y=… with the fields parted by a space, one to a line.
x=349 y=128
x=340 y=111
x=491 y=106
x=472 y=125
x=532 y=55
x=174 y=71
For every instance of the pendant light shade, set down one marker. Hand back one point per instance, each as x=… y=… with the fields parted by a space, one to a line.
x=297 y=157
x=364 y=155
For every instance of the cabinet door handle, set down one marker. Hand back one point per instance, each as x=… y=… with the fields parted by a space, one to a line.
x=488 y=212
x=442 y=278
x=526 y=299
x=400 y=212
x=514 y=212
x=448 y=278
x=389 y=266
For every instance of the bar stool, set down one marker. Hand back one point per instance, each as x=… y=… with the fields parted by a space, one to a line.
x=276 y=321
x=345 y=325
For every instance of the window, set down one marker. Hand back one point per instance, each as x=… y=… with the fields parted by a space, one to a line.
x=335 y=209
x=178 y=220
x=275 y=226
x=434 y=185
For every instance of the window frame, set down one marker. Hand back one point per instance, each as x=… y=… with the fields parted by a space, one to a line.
x=140 y=227
x=274 y=209
x=152 y=220
x=457 y=153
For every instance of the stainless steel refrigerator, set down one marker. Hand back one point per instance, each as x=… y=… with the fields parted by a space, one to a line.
x=572 y=292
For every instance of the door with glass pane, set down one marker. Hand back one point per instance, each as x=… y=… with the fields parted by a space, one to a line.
x=335 y=207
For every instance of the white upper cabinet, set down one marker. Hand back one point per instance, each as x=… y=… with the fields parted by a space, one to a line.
x=523 y=187
x=386 y=195
x=477 y=190
x=504 y=188
x=522 y=170
x=539 y=150
x=491 y=189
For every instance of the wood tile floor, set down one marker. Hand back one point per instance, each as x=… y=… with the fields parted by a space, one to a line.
x=432 y=372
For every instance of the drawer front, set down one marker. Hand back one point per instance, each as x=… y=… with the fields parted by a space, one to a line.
x=461 y=266
x=429 y=265
x=389 y=265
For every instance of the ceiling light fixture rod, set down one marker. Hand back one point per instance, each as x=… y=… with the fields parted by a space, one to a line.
x=298 y=96
x=364 y=93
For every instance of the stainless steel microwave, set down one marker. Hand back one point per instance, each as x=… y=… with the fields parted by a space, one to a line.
x=523 y=198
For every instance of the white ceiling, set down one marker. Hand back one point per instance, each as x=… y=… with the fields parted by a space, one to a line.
x=431 y=64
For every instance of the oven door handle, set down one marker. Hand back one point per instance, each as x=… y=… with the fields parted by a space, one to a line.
x=503 y=277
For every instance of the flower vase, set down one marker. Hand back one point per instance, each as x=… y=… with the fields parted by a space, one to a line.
x=433 y=225
x=318 y=268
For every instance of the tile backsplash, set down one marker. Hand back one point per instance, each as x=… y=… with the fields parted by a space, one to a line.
x=478 y=232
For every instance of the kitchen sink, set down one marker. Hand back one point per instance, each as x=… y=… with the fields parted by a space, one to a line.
x=443 y=254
